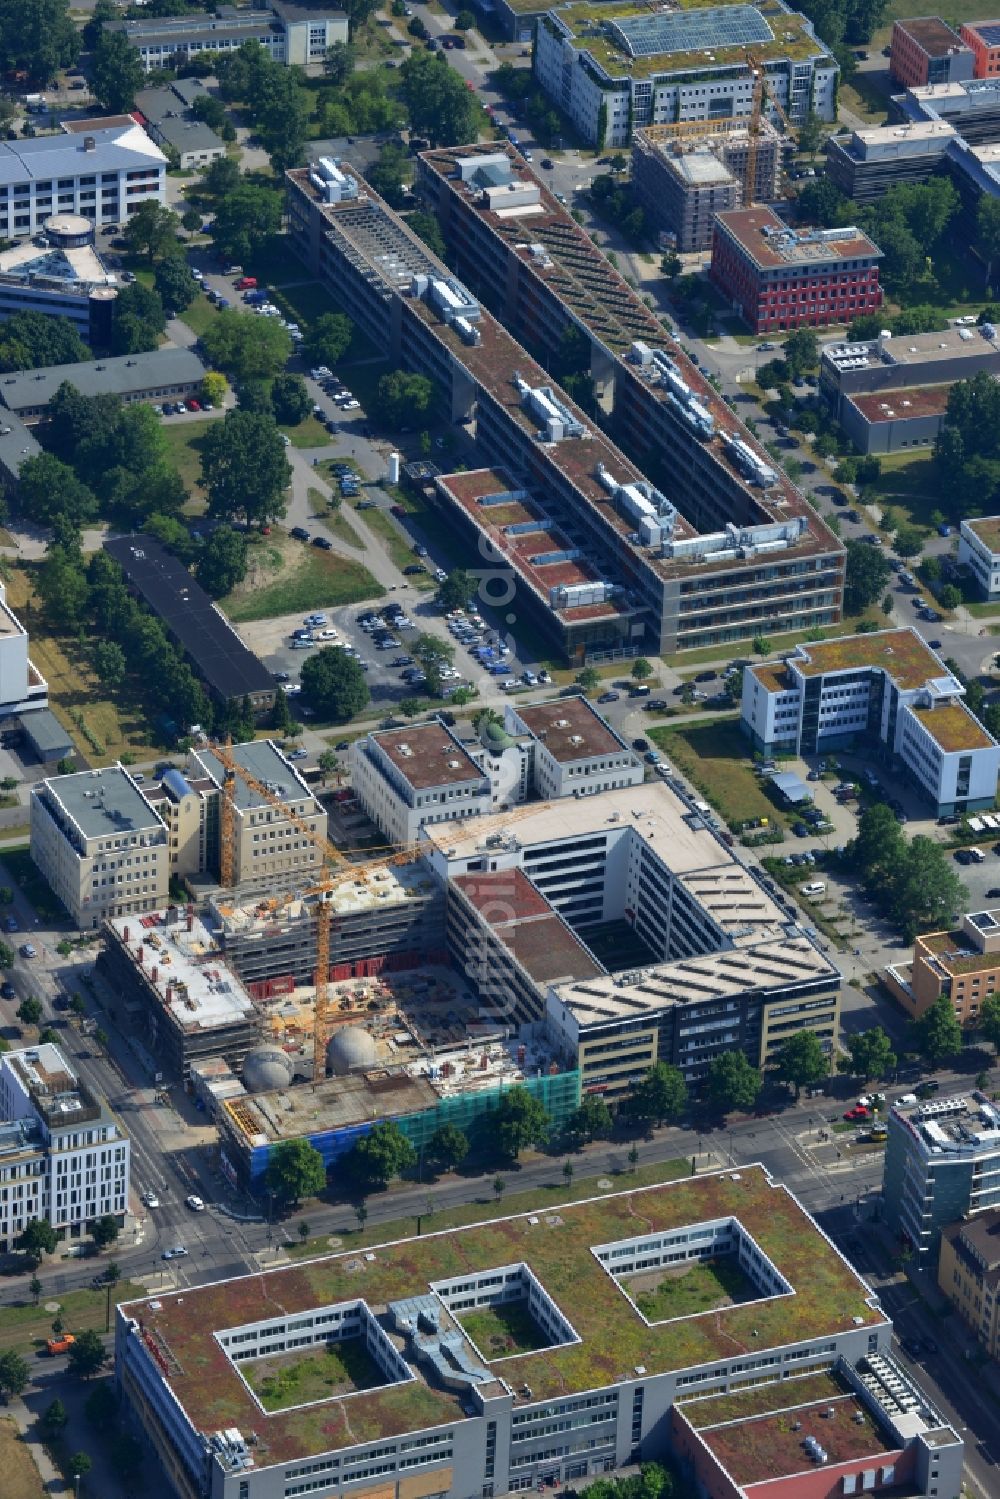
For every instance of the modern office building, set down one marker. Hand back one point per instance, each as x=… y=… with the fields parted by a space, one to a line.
x=942 y=1163
x=109 y=845
x=888 y=691
x=702 y=959
x=888 y=365
x=969 y=1275
x=683 y=179
x=963 y=965
x=163 y=374
x=979 y=551
x=64 y=1155
x=61 y=274
x=275 y=848
x=778 y=278
x=99 y=844
x=926 y=51
x=168 y=119
x=288 y=31
x=544 y=280
x=172 y=994
x=405 y=778
x=104 y=175
x=227 y=667
x=615 y=65
x=438 y=1413
x=867 y=162
x=983 y=40
x=892 y=421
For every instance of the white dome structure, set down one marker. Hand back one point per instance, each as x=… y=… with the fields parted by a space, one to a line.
x=350 y=1050
x=266 y=1068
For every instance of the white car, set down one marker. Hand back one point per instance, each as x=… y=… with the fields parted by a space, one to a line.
x=291 y=689
x=195 y=1203
x=351 y=405
x=178 y=1252
x=326 y=635
x=150 y=1200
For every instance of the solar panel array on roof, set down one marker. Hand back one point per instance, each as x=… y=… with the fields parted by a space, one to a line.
x=990 y=33
x=692 y=30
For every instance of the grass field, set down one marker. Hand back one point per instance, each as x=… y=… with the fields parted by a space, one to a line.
x=285 y=577
x=701 y=1287
x=716 y=757
x=399 y=549
x=296 y=1379
x=184 y=440
x=310 y=433
x=336 y=521
x=25 y=1327
x=21 y=1479
x=499 y=1331
x=200 y=315
x=102 y=727
x=912 y=486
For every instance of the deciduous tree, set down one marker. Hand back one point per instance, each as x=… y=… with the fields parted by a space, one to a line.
x=334 y=684
x=175 y=284
x=937 y=1035
x=659 y=1096
x=518 y=1121
x=447 y=1147
x=223 y=563
x=381 y=1154
x=295 y=1170
x=801 y=1061
x=247 y=347
x=116 y=72
x=732 y=1083
x=869 y=1054
x=244 y=467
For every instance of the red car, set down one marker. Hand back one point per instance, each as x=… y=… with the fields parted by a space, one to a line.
x=857 y=1113
x=192 y=404
x=399 y=510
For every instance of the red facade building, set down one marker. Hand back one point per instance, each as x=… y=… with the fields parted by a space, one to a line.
x=925 y=50
x=780 y=278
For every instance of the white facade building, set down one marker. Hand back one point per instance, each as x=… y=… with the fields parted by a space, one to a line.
x=616 y=66
x=575 y=752
x=289 y=33
x=888 y=689
x=105 y=175
x=63 y=1154
x=405 y=778
x=979 y=551
x=99 y=844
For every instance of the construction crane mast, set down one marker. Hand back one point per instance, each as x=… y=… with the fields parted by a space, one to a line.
x=761 y=84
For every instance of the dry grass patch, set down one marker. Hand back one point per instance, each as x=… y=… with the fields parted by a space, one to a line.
x=21 y=1479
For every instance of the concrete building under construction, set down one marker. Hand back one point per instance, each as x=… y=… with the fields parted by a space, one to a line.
x=684 y=177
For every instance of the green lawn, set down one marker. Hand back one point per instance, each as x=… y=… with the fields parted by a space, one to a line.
x=296 y=1378
x=200 y=315
x=335 y=519
x=499 y=1331
x=184 y=440
x=716 y=757
x=26 y=1325
x=310 y=433
x=911 y=484
x=701 y=1287
x=288 y=578
x=399 y=549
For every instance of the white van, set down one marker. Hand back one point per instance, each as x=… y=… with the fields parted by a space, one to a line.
x=813 y=889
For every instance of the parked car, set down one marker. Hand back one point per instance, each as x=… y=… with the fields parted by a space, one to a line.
x=323 y=543
x=300 y=533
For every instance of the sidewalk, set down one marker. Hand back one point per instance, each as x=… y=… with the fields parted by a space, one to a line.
x=52 y=1480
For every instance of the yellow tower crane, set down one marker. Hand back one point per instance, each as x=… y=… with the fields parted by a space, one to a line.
x=761 y=83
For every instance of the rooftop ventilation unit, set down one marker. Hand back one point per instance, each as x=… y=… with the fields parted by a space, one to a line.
x=333 y=185
x=556 y=421
x=752 y=467
x=653 y=513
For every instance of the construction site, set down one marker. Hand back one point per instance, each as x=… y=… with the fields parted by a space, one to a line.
x=315 y=1013
x=685 y=173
